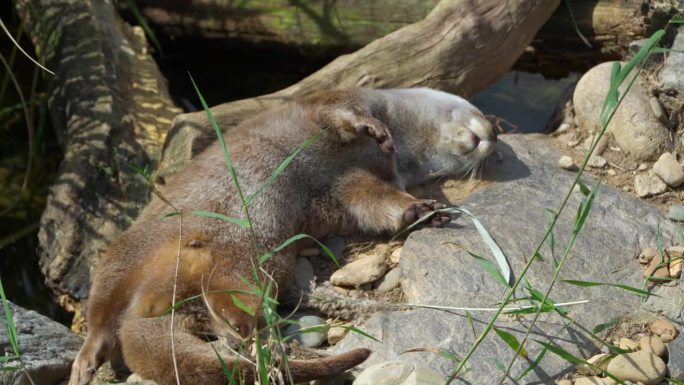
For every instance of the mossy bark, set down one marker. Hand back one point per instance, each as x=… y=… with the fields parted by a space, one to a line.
x=110 y=107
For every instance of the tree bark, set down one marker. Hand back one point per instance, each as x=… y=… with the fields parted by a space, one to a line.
x=111 y=108
x=462 y=46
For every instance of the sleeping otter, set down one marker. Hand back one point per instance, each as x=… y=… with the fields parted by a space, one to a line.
x=372 y=144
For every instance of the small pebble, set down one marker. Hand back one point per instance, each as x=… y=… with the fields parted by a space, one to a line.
x=600 y=361
x=597 y=161
x=304 y=273
x=336 y=333
x=652 y=344
x=573 y=143
x=396 y=254
x=676 y=268
x=676 y=213
x=564 y=382
x=366 y=269
x=601 y=145
x=389 y=281
x=399 y=373
x=642 y=167
x=563 y=127
x=657 y=109
x=627 y=344
x=638 y=366
x=657 y=268
x=593 y=380
x=647 y=185
x=669 y=170
x=647 y=254
x=664 y=329
x=309 y=339
x=612 y=172
x=566 y=163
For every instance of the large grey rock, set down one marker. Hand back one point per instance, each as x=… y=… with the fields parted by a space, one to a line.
x=672 y=74
x=635 y=127
x=436 y=271
x=47 y=349
x=675 y=364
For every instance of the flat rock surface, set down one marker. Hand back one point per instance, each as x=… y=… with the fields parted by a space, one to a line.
x=435 y=271
x=47 y=349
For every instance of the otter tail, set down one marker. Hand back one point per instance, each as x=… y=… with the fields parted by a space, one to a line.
x=146 y=344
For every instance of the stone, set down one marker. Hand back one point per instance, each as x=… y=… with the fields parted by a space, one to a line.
x=389 y=281
x=597 y=161
x=396 y=254
x=573 y=143
x=47 y=349
x=676 y=213
x=672 y=74
x=511 y=208
x=647 y=185
x=675 y=268
x=675 y=363
x=566 y=163
x=669 y=170
x=336 y=333
x=657 y=268
x=136 y=379
x=399 y=373
x=367 y=268
x=304 y=273
x=652 y=344
x=336 y=245
x=612 y=172
x=647 y=254
x=657 y=109
x=599 y=361
x=634 y=126
x=595 y=380
x=316 y=334
x=627 y=344
x=664 y=329
x=640 y=366
x=642 y=167
x=564 y=382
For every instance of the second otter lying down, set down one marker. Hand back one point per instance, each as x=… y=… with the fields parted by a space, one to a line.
x=351 y=179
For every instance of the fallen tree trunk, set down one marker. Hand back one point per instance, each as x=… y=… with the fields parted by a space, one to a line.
x=461 y=47
x=345 y=25
x=110 y=108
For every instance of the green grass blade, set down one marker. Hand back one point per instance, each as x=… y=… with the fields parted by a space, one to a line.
x=511 y=341
x=486 y=264
x=242 y=306
x=605 y=326
x=361 y=333
x=283 y=165
x=237 y=221
x=557 y=350
x=263 y=362
x=229 y=374
x=265 y=257
x=10 y=327
x=145 y=26
x=533 y=365
x=499 y=256
x=592 y=284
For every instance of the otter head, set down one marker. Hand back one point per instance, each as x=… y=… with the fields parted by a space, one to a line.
x=464 y=139
x=436 y=133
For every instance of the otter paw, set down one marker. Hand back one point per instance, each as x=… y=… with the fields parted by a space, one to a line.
x=378 y=131
x=419 y=209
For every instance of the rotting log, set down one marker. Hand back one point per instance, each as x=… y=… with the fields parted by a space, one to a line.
x=462 y=46
x=110 y=108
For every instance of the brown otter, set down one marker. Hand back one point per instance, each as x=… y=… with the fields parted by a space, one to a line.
x=372 y=144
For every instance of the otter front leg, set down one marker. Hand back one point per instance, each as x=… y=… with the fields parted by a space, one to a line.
x=97 y=348
x=379 y=206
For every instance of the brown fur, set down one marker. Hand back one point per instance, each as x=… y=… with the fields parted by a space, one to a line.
x=345 y=182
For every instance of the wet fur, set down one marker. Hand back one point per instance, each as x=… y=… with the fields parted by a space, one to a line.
x=346 y=182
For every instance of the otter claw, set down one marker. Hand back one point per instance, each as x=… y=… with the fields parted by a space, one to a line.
x=419 y=209
x=380 y=135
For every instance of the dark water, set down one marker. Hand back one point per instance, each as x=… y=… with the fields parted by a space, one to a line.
x=527 y=101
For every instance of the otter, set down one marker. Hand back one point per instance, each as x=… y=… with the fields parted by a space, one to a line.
x=371 y=145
